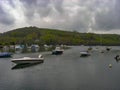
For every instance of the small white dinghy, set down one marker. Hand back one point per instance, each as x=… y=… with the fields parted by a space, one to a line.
x=30 y=60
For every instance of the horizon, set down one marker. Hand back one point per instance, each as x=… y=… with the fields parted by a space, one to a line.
x=60 y=30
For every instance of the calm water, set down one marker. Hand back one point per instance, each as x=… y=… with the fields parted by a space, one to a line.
x=63 y=72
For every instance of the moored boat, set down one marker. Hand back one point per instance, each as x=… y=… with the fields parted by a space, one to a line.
x=57 y=51
x=84 y=54
x=117 y=58
x=108 y=48
x=5 y=54
x=30 y=60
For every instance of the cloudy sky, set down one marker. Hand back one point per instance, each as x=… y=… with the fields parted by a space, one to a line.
x=100 y=16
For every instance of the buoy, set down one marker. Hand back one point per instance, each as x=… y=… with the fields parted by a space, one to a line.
x=110 y=65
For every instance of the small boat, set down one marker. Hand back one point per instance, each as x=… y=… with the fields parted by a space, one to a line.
x=5 y=54
x=28 y=60
x=117 y=58
x=108 y=48
x=57 y=51
x=84 y=54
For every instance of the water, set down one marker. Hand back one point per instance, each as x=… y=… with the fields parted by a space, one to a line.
x=63 y=72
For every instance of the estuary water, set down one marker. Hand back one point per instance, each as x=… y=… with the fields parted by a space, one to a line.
x=68 y=71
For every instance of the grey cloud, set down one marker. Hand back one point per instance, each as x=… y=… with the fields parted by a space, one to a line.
x=29 y=2
x=40 y=7
x=5 y=18
x=76 y=16
x=109 y=20
x=58 y=5
x=104 y=20
x=29 y=6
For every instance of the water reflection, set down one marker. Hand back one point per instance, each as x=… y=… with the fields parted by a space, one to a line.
x=25 y=65
x=117 y=60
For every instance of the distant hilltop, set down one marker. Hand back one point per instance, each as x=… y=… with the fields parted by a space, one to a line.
x=41 y=36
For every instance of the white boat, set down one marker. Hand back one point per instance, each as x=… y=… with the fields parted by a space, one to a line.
x=30 y=60
x=84 y=54
x=57 y=51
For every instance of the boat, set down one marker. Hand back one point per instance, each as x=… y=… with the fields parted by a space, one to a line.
x=5 y=54
x=84 y=54
x=108 y=48
x=117 y=58
x=57 y=51
x=28 y=60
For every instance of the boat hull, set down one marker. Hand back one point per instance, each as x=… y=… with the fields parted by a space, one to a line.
x=27 y=61
x=57 y=52
x=84 y=54
x=5 y=55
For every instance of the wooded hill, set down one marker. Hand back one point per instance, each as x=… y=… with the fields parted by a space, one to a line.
x=41 y=36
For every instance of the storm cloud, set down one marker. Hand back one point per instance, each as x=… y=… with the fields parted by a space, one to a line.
x=100 y=16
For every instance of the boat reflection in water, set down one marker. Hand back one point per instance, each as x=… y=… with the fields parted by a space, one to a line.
x=25 y=65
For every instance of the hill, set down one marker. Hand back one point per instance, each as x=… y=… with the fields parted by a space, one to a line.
x=41 y=36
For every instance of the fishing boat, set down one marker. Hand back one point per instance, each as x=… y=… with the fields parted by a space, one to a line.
x=28 y=60
x=5 y=54
x=84 y=54
x=57 y=51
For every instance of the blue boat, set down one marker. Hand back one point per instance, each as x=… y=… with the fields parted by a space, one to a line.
x=5 y=54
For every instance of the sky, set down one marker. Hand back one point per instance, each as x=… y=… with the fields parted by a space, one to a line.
x=98 y=16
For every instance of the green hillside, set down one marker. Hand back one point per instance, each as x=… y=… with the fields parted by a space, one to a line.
x=41 y=36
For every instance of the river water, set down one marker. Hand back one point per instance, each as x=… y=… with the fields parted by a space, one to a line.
x=68 y=71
